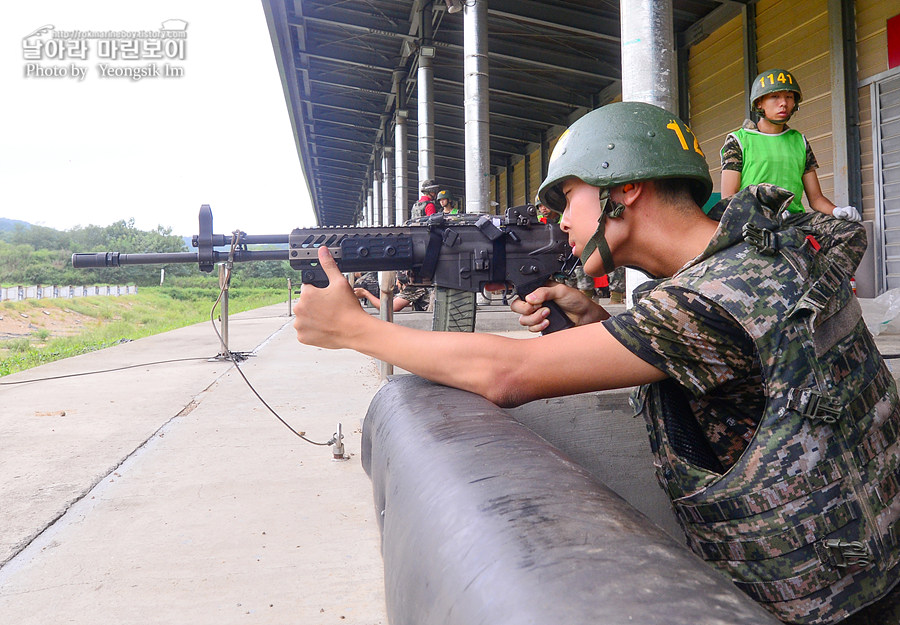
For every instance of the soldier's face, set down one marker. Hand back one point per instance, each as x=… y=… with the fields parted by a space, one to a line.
x=579 y=219
x=777 y=106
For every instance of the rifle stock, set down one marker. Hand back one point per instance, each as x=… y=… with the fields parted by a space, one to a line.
x=464 y=252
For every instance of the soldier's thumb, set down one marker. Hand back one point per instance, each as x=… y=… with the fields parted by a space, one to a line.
x=329 y=265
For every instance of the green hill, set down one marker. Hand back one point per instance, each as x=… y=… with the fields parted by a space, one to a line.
x=10 y=224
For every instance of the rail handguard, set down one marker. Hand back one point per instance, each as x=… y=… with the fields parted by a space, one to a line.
x=463 y=252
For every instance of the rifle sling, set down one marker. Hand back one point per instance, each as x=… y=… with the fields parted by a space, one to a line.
x=432 y=252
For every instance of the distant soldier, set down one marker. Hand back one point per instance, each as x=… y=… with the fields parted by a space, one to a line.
x=407 y=295
x=544 y=213
x=771 y=152
x=445 y=200
x=367 y=281
x=426 y=203
x=617 y=285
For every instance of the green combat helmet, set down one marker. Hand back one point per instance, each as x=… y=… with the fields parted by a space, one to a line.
x=446 y=195
x=772 y=81
x=619 y=143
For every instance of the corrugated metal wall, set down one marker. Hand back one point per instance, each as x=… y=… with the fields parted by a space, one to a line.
x=716 y=70
x=518 y=183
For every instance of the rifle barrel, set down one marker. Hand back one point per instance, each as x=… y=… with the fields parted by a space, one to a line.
x=117 y=259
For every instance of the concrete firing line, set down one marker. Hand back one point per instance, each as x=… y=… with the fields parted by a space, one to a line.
x=81 y=505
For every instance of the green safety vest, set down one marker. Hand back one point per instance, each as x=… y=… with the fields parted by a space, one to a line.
x=774 y=159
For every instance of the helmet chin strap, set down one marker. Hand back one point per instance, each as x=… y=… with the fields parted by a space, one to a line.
x=614 y=209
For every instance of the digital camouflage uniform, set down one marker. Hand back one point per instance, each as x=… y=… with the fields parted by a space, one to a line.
x=617 y=280
x=419 y=297
x=798 y=501
x=580 y=280
x=369 y=282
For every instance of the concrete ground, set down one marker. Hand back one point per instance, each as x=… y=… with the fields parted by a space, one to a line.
x=168 y=493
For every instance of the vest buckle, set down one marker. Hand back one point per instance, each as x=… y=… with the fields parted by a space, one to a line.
x=843 y=553
x=762 y=239
x=815 y=406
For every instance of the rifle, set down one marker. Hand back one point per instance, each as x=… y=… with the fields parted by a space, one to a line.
x=463 y=252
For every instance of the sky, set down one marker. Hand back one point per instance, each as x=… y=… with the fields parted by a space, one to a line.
x=94 y=149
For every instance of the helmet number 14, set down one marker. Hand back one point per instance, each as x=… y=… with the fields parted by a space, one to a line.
x=673 y=125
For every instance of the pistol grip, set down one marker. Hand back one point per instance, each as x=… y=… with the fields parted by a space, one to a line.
x=557 y=318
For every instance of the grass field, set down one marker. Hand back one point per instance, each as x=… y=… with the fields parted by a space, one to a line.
x=34 y=332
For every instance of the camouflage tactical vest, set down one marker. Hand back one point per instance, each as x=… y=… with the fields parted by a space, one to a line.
x=418 y=208
x=806 y=520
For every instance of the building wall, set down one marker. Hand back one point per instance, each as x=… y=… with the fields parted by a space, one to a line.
x=871 y=59
x=503 y=200
x=717 y=96
x=518 y=183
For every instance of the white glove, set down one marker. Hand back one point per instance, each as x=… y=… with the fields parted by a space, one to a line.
x=847 y=212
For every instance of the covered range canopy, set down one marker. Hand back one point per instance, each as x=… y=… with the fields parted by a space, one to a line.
x=348 y=67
